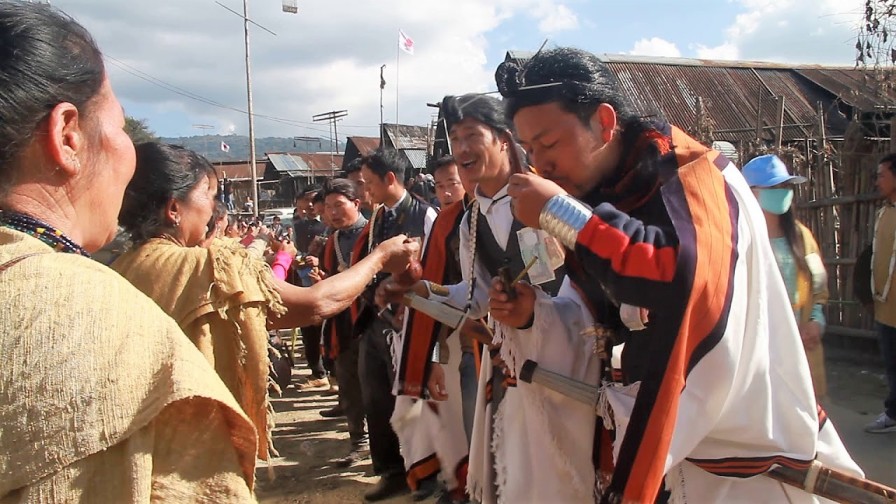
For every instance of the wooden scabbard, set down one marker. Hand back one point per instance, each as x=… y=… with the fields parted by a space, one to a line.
x=836 y=485
x=829 y=483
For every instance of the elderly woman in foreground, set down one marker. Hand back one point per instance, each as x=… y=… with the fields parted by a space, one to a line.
x=102 y=398
x=223 y=298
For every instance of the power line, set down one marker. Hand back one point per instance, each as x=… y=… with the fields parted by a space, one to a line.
x=193 y=96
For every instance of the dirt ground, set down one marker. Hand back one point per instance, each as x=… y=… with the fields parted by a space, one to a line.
x=304 y=473
x=308 y=443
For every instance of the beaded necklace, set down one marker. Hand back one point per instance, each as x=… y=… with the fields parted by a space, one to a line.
x=341 y=263
x=372 y=224
x=42 y=231
x=474 y=220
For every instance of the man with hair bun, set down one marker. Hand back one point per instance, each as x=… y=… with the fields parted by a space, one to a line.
x=527 y=444
x=667 y=231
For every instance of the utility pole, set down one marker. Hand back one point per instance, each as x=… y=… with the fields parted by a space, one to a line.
x=382 y=87
x=204 y=127
x=253 y=169
x=307 y=139
x=331 y=117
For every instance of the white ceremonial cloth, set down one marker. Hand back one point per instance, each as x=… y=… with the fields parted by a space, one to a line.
x=541 y=441
x=725 y=412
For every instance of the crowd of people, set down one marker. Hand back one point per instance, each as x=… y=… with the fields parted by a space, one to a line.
x=576 y=305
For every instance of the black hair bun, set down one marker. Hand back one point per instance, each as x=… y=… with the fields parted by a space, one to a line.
x=509 y=77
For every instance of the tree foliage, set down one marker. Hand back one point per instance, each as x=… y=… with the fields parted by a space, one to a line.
x=138 y=130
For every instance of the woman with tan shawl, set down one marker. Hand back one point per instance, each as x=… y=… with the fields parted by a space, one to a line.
x=102 y=398
x=221 y=296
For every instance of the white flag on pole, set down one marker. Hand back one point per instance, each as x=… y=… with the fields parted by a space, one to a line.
x=225 y=147
x=405 y=43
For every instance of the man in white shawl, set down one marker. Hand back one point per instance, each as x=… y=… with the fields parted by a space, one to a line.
x=532 y=445
x=655 y=220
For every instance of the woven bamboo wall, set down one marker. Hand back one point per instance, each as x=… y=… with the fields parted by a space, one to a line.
x=838 y=203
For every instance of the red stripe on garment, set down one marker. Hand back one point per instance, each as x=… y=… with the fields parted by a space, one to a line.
x=639 y=260
x=705 y=192
x=460 y=474
x=747 y=467
x=359 y=251
x=422 y=328
x=330 y=265
x=822 y=417
x=422 y=469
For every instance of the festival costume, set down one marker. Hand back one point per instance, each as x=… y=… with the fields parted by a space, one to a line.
x=378 y=345
x=338 y=342
x=440 y=421
x=104 y=399
x=221 y=297
x=554 y=463
x=445 y=422
x=726 y=394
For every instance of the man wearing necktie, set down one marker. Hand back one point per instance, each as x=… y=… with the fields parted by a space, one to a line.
x=399 y=213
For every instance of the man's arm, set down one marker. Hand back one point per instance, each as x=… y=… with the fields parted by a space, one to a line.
x=311 y=305
x=635 y=261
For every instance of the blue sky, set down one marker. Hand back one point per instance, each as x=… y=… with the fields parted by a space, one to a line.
x=328 y=56
x=614 y=26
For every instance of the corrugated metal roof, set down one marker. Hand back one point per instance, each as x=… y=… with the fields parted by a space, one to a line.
x=735 y=93
x=365 y=145
x=729 y=150
x=732 y=93
x=238 y=169
x=417 y=157
x=287 y=165
x=664 y=60
x=403 y=136
x=518 y=55
x=850 y=86
x=305 y=164
x=321 y=161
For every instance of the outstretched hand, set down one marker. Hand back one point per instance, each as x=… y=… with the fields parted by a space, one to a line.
x=283 y=246
x=398 y=253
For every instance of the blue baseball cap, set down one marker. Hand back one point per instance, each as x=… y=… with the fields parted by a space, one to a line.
x=768 y=171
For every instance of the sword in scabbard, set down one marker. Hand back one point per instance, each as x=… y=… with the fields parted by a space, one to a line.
x=817 y=479
x=450 y=316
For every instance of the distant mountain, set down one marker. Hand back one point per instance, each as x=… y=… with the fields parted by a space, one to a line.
x=210 y=146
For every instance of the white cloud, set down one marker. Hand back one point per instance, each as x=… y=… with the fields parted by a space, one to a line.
x=725 y=51
x=321 y=59
x=791 y=31
x=555 y=17
x=655 y=46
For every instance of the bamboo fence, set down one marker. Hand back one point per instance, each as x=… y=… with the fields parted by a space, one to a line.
x=838 y=203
